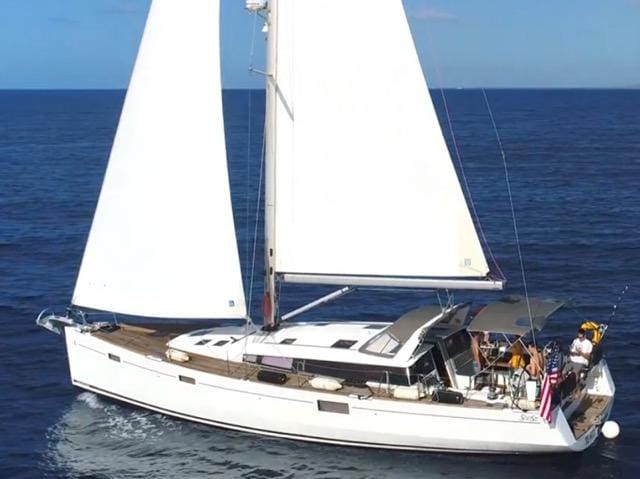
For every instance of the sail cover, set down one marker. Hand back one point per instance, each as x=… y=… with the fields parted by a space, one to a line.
x=162 y=242
x=364 y=181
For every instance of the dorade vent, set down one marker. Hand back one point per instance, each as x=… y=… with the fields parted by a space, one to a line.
x=375 y=326
x=288 y=341
x=222 y=342
x=202 y=342
x=343 y=343
x=330 y=406
x=186 y=379
x=115 y=358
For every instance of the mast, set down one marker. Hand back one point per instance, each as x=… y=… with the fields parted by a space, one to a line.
x=270 y=300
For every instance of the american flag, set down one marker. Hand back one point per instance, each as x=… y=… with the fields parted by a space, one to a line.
x=549 y=383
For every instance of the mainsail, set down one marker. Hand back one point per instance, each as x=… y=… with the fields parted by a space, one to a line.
x=364 y=183
x=162 y=242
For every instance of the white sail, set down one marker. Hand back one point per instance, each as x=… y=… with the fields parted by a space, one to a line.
x=364 y=183
x=162 y=242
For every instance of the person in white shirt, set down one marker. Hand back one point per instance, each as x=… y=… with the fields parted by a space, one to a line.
x=581 y=348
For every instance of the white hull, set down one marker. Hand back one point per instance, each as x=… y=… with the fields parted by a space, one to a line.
x=262 y=408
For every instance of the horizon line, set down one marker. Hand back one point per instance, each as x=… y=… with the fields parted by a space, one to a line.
x=631 y=87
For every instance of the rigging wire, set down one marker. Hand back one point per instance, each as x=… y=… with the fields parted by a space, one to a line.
x=248 y=182
x=259 y=189
x=513 y=214
x=460 y=164
x=249 y=141
x=439 y=299
x=464 y=178
x=468 y=190
x=450 y=299
x=257 y=220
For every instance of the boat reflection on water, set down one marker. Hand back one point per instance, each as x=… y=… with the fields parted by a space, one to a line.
x=100 y=438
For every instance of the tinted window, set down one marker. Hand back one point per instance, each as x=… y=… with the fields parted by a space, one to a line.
x=353 y=373
x=458 y=343
x=425 y=364
x=343 y=344
x=330 y=406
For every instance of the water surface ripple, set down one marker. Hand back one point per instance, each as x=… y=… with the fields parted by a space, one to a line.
x=574 y=159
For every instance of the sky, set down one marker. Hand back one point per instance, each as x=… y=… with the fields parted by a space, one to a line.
x=77 y=44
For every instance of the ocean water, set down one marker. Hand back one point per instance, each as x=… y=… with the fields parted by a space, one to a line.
x=574 y=163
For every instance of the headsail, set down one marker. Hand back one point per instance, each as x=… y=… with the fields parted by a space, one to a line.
x=364 y=183
x=162 y=242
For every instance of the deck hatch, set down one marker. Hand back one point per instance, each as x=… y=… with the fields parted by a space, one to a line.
x=186 y=379
x=331 y=406
x=222 y=342
x=115 y=358
x=202 y=342
x=288 y=341
x=343 y=343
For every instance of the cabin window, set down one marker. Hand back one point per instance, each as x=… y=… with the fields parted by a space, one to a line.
x=457 y=343
x=330 y=406
x=424 y=370
x=288 y=341
x=343 y=343
x=355 y=374
x=115 y=358
x=202 y=342
x=382 y=344
x=274 y=362
x=222 y=342
x=425 y=364
x=277 y=362
x=186 y=379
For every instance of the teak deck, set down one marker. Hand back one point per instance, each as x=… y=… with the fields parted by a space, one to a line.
x=151 y=340
x=588 y=413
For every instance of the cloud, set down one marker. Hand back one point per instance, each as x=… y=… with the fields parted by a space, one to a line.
x=427 y=14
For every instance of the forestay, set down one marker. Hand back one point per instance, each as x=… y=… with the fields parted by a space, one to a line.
x=364 y=181
x=163 y=242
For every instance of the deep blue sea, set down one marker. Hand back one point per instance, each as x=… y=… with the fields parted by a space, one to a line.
x=574 y=163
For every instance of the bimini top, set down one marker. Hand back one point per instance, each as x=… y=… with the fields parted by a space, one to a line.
x=510 y=315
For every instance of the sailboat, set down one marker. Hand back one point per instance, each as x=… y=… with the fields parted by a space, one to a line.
x=360 y=191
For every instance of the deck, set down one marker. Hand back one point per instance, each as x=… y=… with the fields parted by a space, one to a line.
x=588 y=413
x=151 y=340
